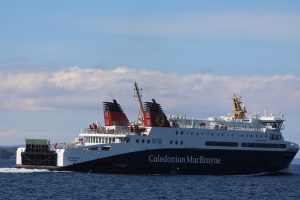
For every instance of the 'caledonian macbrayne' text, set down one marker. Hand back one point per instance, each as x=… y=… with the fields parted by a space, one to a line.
x=184 y=159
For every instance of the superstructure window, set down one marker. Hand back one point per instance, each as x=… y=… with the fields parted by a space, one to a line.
x=275 y=137
x=264 y=145
x=105 y=148
x=154 y=140
x=223 y=144
x=94 y=148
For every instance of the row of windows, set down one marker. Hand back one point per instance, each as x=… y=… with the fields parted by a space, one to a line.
x=275 y=137
x=235 y=144
x=223 y=134
x=99 y=140
x=264 y=145
x=224 y=144
x=104 y=148
x=176 y=142
x=154 y=141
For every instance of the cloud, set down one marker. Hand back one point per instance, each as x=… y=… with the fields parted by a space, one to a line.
x=84 y=87
x=214 y=24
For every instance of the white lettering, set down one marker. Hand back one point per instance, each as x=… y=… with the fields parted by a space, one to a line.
x=186 y=159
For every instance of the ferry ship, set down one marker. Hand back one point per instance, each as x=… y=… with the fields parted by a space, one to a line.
x=157 y=143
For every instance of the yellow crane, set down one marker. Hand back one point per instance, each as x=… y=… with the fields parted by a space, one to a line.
x=238 y=110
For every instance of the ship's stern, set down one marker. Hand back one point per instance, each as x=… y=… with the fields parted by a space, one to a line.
x=36 y=154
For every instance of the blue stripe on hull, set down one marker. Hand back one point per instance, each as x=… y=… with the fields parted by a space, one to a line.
x=188 y=161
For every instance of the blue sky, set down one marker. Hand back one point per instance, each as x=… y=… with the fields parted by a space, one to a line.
x=60 y=59
x=232 y=37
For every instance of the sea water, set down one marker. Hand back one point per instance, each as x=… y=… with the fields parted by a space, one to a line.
x=43 y=184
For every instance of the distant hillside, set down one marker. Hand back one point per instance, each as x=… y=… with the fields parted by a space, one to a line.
x=8 y=152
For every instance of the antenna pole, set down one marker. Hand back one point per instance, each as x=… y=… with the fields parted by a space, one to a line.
x=141 y=108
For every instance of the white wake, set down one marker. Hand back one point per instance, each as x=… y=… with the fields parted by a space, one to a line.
x=21 y=170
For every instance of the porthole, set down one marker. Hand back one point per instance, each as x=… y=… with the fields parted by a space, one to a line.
x=197 y=133
x=181 y=132
x=143 y=140
x=171 y=142
x=176 y=132
x=137 y=140
x=148 y=141
x=181 y=142
x=176 y=142
x=191 y=133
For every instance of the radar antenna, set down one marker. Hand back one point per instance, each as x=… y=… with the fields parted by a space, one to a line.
x=238 y=110
x=138 y=96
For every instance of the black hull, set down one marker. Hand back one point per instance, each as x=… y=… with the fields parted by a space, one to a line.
x=189 y=161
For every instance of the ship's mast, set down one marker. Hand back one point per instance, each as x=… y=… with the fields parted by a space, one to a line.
x=140 y=117
x=238 y=110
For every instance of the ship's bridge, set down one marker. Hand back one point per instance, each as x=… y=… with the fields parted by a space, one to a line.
x=272 y=122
